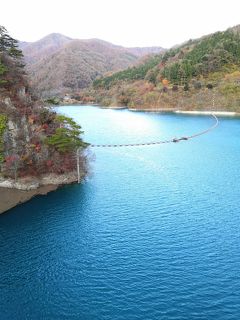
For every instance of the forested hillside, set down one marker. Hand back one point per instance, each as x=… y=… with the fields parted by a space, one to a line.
x=183 y=77
x=33 y=139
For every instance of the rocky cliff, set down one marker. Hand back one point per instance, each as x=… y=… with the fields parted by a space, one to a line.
x=37 y=146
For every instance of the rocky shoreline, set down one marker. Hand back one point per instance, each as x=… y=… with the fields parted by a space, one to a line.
x=14 y=193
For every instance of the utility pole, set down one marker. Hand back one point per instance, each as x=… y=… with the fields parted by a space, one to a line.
x=78 y=167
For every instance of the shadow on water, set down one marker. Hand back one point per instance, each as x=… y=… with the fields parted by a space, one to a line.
x=53 y=204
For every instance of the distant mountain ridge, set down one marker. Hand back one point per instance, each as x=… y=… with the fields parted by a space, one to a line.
x=50 y=44
x=58 y=64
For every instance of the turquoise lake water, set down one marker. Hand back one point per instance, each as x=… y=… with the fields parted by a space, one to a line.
x=153 y=234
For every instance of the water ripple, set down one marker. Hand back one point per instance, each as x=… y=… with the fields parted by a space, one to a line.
x=154 y=234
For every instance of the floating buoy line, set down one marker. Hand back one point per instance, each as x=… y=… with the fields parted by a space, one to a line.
x=173 y=140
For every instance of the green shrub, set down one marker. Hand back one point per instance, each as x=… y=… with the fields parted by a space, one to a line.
x=67 y=135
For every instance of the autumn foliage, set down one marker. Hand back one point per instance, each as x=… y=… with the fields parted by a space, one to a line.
x=34 y=140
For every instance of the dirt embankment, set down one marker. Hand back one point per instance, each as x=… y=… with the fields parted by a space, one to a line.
x=13 y=193
x=10 y=198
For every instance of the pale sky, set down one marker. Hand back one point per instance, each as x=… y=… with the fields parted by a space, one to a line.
x=124 y=22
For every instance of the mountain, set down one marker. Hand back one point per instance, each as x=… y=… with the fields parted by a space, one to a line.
x=187 y=76
x=58 y=64
x=34 y=51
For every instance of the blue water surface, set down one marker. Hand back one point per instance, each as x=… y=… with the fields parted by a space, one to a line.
x=153 y=234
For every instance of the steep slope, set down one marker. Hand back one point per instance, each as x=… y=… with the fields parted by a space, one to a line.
x=34 y=141
x=57 y=64
x=185 y=77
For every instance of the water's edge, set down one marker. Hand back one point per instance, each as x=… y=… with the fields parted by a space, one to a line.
x=220 y=113
x=10 y=198
x=152 y=234
x=14 y=193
